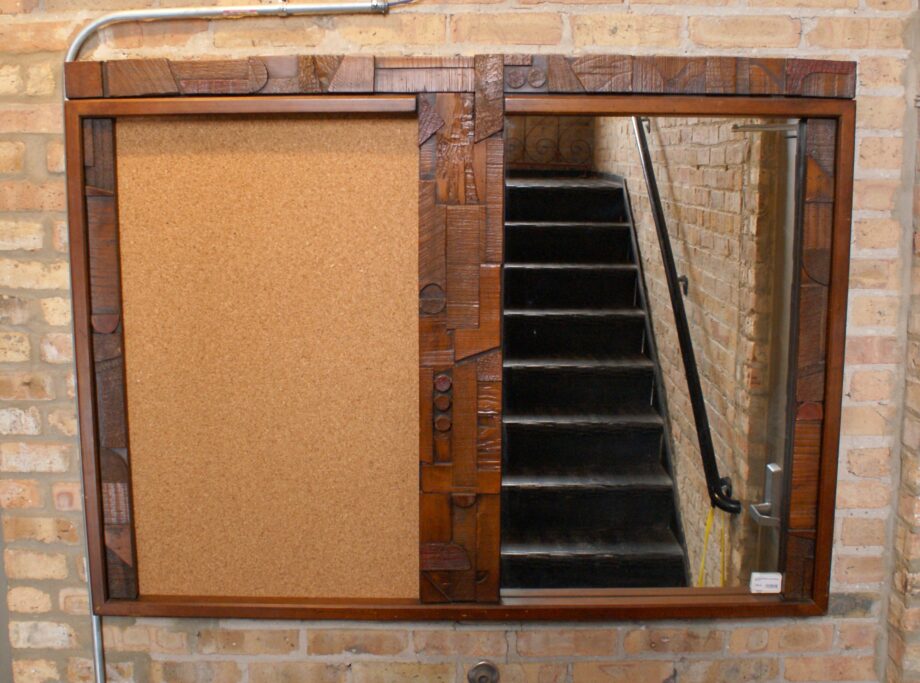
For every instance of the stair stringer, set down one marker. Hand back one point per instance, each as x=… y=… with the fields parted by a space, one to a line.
x=661 y=395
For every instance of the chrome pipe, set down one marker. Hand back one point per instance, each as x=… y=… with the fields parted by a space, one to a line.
x=233 y=12
x=98 y=649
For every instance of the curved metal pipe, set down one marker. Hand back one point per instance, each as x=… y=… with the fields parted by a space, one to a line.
x=234 y=12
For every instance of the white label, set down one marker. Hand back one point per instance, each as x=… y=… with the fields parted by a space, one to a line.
x=766 y=582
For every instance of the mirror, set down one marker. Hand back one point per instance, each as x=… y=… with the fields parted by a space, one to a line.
x=604 y=480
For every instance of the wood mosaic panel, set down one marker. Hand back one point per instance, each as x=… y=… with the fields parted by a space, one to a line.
x=607 y=74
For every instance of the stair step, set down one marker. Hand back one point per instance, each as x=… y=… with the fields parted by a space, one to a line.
x=586 y=509
x=625 y=542
x=569 y=242
x=612 y=447
x=580 y=363
x=566 y=333
x=588 y=482
x=565 y=199
x=577 y=390
x=587 y=286
x=587 y=498
x=636 y=558
x=602 y=422
x=551 y=183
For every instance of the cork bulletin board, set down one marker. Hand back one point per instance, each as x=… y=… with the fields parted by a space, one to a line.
x=269 y=282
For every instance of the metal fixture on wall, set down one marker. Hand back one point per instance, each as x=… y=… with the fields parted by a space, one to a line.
x=234 y=12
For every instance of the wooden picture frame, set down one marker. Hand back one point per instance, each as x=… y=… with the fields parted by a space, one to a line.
x=460 y=104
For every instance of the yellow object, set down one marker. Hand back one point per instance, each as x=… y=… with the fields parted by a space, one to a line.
x=700 y=580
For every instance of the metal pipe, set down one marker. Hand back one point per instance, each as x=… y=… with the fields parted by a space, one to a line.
x=234 y=12
x=98 y=650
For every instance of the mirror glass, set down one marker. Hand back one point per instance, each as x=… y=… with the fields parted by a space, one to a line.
x=604 y=481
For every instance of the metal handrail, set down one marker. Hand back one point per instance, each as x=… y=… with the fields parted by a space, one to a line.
x=719 y=487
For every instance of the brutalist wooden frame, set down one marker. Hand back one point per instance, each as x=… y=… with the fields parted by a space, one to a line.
x=460 y=103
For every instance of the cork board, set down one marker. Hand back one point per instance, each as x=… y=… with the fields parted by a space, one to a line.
x=269 y=270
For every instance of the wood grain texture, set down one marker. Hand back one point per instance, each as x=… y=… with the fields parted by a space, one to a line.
x=83 y=79
x=105 y=308
x=293 y=74
x=489 y=96
x=811 y=344
x=460 y=245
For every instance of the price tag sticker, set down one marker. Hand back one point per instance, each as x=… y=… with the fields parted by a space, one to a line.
x=766 y=582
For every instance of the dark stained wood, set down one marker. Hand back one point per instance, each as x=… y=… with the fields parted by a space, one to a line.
x=604 y=73
x=139 y=77
x=820 y=78
x=810 y=454
x=100 y=244
x=424 y=62
x=83 y=79
x=489 y=96
x=675 y=105
x=220 y=76
x=463 y=230
x=454 y=173
x=670 y=75
x=494 y=194
x=83 y=352
x=432 y=80
x=304 y=104
x=799 y=573
x=354 y=74
x=530 y=76
x=461 y=481
x=836 y=340
x=636 y=605
x=806 y=451
x=560 y=77
x=761 y=76
x=429 y=121
x=729 y=76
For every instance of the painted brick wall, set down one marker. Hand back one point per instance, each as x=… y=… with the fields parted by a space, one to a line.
x=862 y=640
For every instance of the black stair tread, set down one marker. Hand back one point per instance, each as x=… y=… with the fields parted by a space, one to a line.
x=539 y=265
x=641 y=542
x=649 y=419
x=567 y=183
x=620 y=312
x=594 y=482
x=625 y=362
x=566 y=224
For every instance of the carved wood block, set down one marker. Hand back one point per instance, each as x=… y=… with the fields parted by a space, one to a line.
x=489 y=96
x=83 y=79
x=531 y=76
x=463 y=234
x=138 y=77
x=454 y=173
x=560 y=77
x=220 y=76
x=429 y=121
x=354 y=74
x=800 y=560
x=605 y=73
x=806 y=455
x=819 y=78
x=413 y=80
x=671 y=75
x=761 y=76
